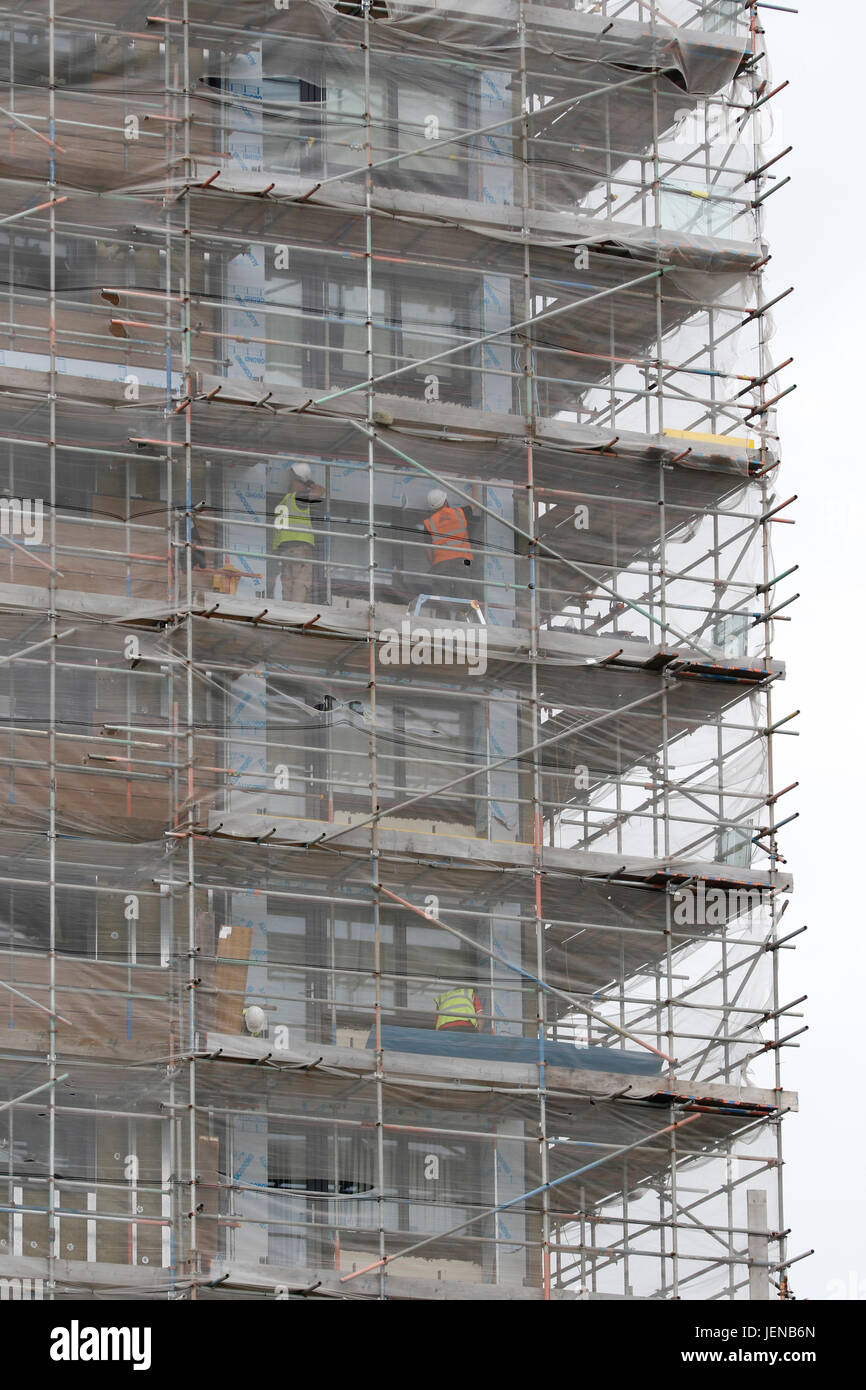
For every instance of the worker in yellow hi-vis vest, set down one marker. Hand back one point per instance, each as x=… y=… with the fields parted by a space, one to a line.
x=294 y=538
x=458 y=1009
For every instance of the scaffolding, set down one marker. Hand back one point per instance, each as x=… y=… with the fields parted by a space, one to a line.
x=377 y=924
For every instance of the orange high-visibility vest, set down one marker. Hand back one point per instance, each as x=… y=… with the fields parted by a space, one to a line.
x=450 y=535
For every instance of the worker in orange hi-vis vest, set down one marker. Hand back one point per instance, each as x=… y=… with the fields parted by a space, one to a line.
x=450 y=549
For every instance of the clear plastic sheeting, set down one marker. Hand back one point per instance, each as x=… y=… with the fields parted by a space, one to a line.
x=390 y=879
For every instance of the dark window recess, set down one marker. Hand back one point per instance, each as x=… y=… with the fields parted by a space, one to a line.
x=25 y=920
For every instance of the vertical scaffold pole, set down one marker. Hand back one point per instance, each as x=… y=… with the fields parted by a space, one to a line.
x=187 y=392
x=53 y=1221
x=371 y=632
x=765 y=365
x=529 y=405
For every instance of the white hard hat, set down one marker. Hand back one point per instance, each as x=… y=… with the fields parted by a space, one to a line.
x=436 y=498
x=302 y=470
x=254 y=1018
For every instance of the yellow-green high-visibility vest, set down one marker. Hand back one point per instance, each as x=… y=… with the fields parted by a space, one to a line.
x=300 y=526
x=456 y=1006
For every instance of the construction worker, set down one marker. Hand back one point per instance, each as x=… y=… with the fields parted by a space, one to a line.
x=450 y=551
x=294 y=538
x=458 y=1009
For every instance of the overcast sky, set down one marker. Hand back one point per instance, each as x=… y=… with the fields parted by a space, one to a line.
x=823 y=326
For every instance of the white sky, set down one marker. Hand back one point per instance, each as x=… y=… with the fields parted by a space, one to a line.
x=823 y=53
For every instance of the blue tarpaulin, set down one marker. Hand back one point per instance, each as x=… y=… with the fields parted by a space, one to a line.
x=501 y=1047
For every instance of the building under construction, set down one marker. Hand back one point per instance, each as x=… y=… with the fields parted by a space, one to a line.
x=392 y=904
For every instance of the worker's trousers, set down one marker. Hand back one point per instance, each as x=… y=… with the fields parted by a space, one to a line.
x=451 y=578
x=296 y=571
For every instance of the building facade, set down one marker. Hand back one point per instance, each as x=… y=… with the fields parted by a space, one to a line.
x=390 y=882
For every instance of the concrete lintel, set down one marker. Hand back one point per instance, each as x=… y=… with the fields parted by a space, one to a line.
x=277 y=1281
x=90 y=1274
x=405 y=410
x=441 y=417
x=559 y=645
x=545 y=228
x=90 y=607
x=593 y=1085
x=499 y=853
